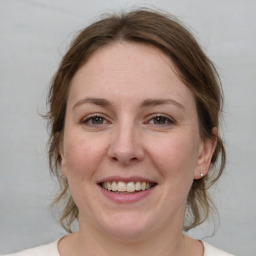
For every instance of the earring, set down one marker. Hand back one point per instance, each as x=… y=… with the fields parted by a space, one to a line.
x=201 y=174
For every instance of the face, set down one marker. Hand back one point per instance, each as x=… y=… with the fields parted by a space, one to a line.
x=131 y=146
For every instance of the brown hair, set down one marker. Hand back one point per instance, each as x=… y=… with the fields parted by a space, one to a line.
x=194 y=69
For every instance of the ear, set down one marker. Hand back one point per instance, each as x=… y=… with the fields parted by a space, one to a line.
x=206 y=151
x=61 y=155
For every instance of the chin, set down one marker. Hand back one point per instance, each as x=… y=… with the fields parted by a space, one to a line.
x=127 y=226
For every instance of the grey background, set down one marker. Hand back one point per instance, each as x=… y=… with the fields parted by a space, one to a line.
x=34 y=36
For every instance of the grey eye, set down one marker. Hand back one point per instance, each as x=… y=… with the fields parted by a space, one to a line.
x=160 y=120
x=97 y=120
x=94 y=120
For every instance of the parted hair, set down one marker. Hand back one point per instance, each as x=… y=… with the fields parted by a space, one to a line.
x=194 y=68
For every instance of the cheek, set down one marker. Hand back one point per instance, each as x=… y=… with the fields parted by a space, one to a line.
x=175 y=159
x=82 y=156
x=175 y=156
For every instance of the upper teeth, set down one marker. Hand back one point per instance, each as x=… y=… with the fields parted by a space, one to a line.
x=126 y=187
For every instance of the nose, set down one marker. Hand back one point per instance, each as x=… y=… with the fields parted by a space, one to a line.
x=126 y=145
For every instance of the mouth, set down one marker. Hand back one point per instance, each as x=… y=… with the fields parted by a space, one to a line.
x=131 y=187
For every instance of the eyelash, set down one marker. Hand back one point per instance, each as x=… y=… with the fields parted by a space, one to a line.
x=164 y=118
x=88 y=120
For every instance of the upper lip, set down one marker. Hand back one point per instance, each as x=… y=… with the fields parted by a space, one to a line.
x=126 y=179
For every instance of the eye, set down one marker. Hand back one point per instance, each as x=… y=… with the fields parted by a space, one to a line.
x=94 y=120
x=161 y=120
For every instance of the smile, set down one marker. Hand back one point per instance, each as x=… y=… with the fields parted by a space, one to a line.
x=129 y=187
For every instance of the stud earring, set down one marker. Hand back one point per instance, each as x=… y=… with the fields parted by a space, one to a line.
x=201 y=174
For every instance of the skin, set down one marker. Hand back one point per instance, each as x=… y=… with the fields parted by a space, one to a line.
x=127 y=139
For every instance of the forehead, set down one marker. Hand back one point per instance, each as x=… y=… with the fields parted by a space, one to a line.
x=129 y=70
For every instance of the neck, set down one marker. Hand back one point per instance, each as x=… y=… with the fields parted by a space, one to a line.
x=92 y=246
x=168 y=241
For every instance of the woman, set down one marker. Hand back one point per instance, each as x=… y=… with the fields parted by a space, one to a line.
x=134 y=110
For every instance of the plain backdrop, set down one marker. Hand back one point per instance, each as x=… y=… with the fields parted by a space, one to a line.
x=34 y=36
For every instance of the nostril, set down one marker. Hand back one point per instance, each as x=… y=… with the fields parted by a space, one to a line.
x=126 y=161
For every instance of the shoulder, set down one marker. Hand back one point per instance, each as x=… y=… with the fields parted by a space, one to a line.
x=47 y=249
x=210 y=250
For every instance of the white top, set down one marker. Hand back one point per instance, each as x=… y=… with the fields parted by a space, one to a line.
x=52 y=250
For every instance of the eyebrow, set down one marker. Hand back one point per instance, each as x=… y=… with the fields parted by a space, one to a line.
x=157 y=102
x=146 y=103
x=95 y=101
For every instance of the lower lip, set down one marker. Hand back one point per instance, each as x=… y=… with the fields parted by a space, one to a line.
x=126 y=198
